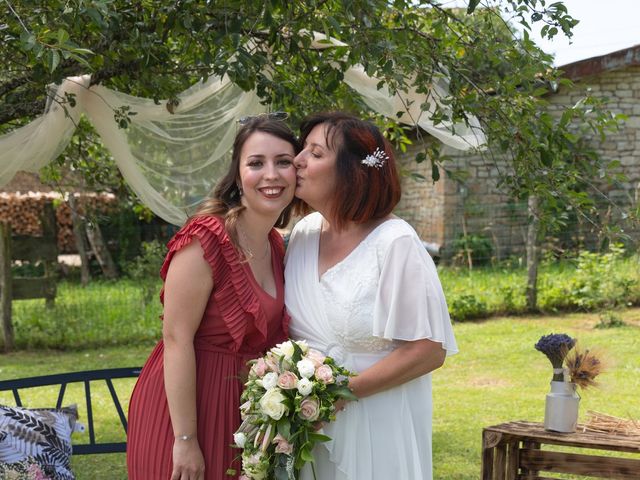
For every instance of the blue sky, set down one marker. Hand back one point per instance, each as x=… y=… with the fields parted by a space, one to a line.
x=605 y=26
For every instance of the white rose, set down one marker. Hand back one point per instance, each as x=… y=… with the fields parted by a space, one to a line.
x=284 y=349
x=270 y=380
x=271 y=404
x=239 y=439
x=306 y=368
x=304 y=346
x=305 y=386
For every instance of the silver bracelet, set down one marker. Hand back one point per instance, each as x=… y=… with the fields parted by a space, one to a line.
x=184 y=437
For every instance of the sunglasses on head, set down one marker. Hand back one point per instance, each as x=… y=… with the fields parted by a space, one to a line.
x=271 y=116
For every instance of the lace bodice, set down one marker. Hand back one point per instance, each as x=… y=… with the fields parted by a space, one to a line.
x=349 y=289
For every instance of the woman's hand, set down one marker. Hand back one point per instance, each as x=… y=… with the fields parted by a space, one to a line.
x=188 y=462
x=341 y=404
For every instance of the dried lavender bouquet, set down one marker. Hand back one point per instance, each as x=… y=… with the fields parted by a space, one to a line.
x=556 y=346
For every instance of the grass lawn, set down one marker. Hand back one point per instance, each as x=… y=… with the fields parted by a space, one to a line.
x=498 y=376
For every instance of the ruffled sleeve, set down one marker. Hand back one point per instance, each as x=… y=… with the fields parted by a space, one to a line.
x=410 y=303
x=208 y=231
x=232 y=292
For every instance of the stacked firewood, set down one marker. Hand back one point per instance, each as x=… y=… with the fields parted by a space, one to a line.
x=23 y=212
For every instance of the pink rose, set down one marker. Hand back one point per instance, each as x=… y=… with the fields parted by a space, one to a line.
x=288 y=381
x=324 y=374
x=260 y=367
x=282 y=446
x=310 y=409
x=316 y=357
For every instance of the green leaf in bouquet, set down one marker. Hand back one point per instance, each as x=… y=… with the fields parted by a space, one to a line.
x=342 y=391
x=305 y=453
x=284 y=428
x=318 y=437
x=297 y=353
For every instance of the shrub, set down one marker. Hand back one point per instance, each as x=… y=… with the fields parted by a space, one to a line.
x=465 y=307
x=478 y=246
x=145 y=267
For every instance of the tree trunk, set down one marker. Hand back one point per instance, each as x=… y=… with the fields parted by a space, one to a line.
x=466 y=242
x=532 y=253
x=6 y=290
x=81 y=242
x=94 y=234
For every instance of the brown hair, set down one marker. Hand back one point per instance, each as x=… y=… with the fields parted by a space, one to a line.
x=362 y=192
x=225 y=199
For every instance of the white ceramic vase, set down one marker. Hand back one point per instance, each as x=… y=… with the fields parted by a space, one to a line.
x=561 y=408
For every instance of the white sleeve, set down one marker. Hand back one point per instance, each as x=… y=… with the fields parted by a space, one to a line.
x=410 y=303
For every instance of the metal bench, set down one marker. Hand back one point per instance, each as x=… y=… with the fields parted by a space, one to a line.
x=86 y=377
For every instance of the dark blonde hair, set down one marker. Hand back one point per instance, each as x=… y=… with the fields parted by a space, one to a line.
x=225 y=201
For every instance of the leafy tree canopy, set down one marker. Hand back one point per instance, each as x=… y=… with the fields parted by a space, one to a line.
x=157 y=48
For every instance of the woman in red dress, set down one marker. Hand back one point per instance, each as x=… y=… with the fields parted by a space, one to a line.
x=223 y=300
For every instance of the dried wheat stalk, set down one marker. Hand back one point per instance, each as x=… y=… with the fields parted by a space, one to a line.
x=604 y=423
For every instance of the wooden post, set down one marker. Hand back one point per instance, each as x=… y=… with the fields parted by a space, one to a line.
x=81 y=243
x=94 y=234
x=6 y=287
x=50 y=233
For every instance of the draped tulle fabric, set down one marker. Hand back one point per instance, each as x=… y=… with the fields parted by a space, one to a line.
x=172 y=156
x=384 y=292
x=239 y=323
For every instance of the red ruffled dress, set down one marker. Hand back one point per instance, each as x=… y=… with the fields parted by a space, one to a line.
x=240 y=322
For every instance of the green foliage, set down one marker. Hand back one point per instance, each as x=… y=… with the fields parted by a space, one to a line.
x=158 y=48
x=144 y=269
x=112 y=313
x=28 y=269
x=597 y=281
x=102 y=313
x=467 y=307
x=564 y=285
x=610 y=319
x=479 y=247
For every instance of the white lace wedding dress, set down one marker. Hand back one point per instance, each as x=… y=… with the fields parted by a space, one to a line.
x=384 y=292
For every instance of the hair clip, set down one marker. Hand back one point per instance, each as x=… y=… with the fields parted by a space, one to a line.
x=376 y=159
x=281 y=116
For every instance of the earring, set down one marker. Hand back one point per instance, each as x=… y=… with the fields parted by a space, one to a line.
x=240 y=192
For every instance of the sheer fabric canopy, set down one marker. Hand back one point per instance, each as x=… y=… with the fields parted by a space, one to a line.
x=173 y=160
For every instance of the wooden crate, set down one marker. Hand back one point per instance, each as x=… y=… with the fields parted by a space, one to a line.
x=513 y=451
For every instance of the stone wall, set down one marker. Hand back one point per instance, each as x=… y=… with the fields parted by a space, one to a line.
x=442 y=212
x=422 y=203
x=622 y=89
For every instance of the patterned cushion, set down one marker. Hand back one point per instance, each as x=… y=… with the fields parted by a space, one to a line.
x=28 y=469
x=43 y=435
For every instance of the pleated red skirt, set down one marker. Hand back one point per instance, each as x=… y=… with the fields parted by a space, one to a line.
x=240 y=322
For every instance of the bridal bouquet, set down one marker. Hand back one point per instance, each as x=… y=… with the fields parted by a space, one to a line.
x=289 y=390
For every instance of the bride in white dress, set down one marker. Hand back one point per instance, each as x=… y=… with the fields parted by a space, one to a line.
x=360 y=286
